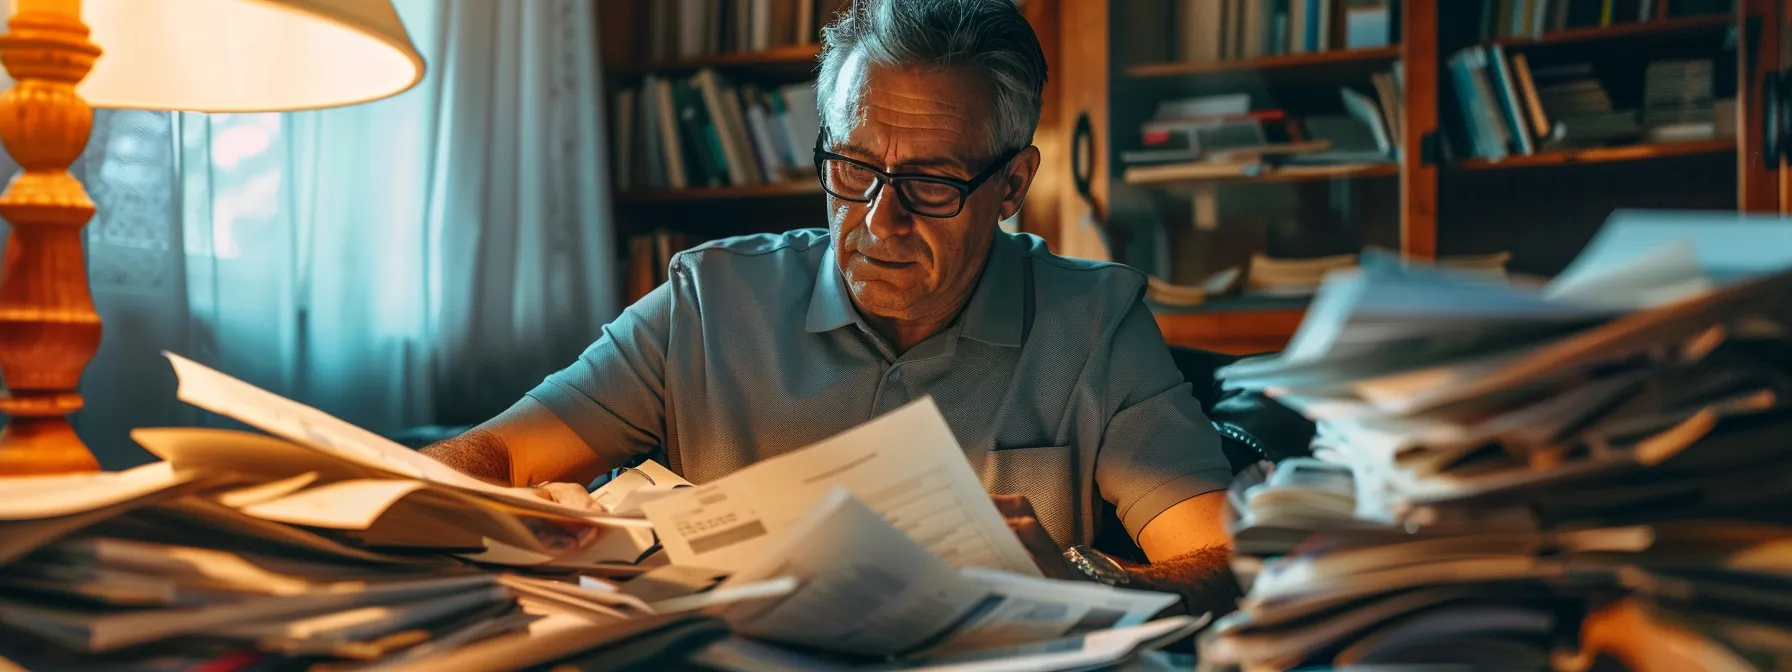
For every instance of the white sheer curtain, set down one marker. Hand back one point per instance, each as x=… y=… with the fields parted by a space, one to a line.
x=421 y=259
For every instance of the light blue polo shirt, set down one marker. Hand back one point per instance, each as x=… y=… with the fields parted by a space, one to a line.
x=1055 y=378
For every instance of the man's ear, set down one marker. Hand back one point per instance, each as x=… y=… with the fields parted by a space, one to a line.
x=1019 y=180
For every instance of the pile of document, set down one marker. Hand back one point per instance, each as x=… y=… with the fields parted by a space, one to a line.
x=321 y=545
x=1564 y=477
x=109 y=569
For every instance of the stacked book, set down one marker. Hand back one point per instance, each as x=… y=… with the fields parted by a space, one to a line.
x=686 y=29
x=1508 y=108
x=1224 y=137
x=1589 y=473
x=703 y=131
x=1677 y=100
x=326 y=547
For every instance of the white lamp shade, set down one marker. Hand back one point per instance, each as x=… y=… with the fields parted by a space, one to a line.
x=244 y=55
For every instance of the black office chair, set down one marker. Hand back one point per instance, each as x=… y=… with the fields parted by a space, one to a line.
x=1252 y=428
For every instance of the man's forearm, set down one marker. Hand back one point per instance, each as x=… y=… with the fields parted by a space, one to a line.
x=1203 y=579
x=478 y=453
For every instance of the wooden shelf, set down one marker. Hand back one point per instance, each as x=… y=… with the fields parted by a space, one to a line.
x=1232 y=332
x=780 y=190
x=1290 y=61
x=1605 y=155
x=1283 y=175
x=781 y=61
x=1627 y=31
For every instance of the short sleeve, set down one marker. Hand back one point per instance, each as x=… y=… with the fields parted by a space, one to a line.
x=614 y=395
x=1158 y=449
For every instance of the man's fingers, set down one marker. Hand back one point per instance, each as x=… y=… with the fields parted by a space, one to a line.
x=553 y=536
x=1039 y=544
x=568 y=494
x=1013 y=506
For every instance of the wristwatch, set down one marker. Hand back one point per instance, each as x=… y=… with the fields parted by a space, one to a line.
x=1097 y=565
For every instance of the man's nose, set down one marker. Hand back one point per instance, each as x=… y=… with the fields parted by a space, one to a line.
x=886 y=217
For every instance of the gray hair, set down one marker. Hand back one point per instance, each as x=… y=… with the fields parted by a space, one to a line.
x=990 y=36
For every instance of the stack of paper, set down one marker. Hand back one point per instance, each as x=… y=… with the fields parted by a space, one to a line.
x=144 y=565
x=326 y=544
x=1511 y=459
x=323 y=473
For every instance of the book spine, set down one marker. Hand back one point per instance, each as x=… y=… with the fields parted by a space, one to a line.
x=1509 y=102
x=1487 y=106
x=1521 y=69
x=774 y=123
x=763 y=147
x=671 y=141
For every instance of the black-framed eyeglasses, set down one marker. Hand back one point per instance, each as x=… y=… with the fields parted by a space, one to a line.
x=850 y=179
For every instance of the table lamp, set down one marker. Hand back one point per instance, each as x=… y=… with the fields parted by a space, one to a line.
x=191 y=55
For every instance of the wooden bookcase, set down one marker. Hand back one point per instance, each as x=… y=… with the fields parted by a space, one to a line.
x=1541 y=207
x=696 y=213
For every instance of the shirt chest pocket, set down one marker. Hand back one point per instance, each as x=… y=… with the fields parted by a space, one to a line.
x=1044 y=475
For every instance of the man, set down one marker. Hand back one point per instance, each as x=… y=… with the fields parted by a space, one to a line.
x=1051 y=372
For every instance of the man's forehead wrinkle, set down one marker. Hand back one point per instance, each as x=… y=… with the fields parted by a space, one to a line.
x=912 y=121
x=897 y=101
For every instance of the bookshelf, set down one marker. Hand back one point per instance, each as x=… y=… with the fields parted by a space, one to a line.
x=711 y=114
x=1432 y=196
x=785 y=62
x=1605 y=155
x=1345 y=57
x=1630 y=32
x=1691 y=73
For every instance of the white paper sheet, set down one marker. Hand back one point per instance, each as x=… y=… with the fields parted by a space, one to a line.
x=36 y=497
x=906 y=466
x=625 y=494
x=1726 y=245
x=214 y=391
x=1096 y=650
x=343 y=505
x=1032 y=609
x=863 y=586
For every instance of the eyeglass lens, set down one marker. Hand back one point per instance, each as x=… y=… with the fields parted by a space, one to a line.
x=854 y=182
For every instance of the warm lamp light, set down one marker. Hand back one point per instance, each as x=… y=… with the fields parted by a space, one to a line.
x=194 y=55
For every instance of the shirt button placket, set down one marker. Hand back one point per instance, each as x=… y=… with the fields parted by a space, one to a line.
x=889 y=392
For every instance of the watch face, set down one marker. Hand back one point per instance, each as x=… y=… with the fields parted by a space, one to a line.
x=1099 y=566
x=1108 y=566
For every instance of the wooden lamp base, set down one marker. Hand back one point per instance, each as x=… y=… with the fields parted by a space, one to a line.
x=49 y=330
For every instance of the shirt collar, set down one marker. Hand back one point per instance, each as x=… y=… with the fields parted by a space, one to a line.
x=995 y=314
x=830 y=307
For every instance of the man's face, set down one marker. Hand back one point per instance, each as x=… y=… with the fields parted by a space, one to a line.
x=899 y=265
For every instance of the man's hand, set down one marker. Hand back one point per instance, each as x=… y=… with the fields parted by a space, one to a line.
x=566 y=494
x=1025 y=523
x=557 y=537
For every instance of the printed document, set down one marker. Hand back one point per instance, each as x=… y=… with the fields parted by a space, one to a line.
x=219 y=393
x=862 y=586
x=865 y=588
x=906 y=466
